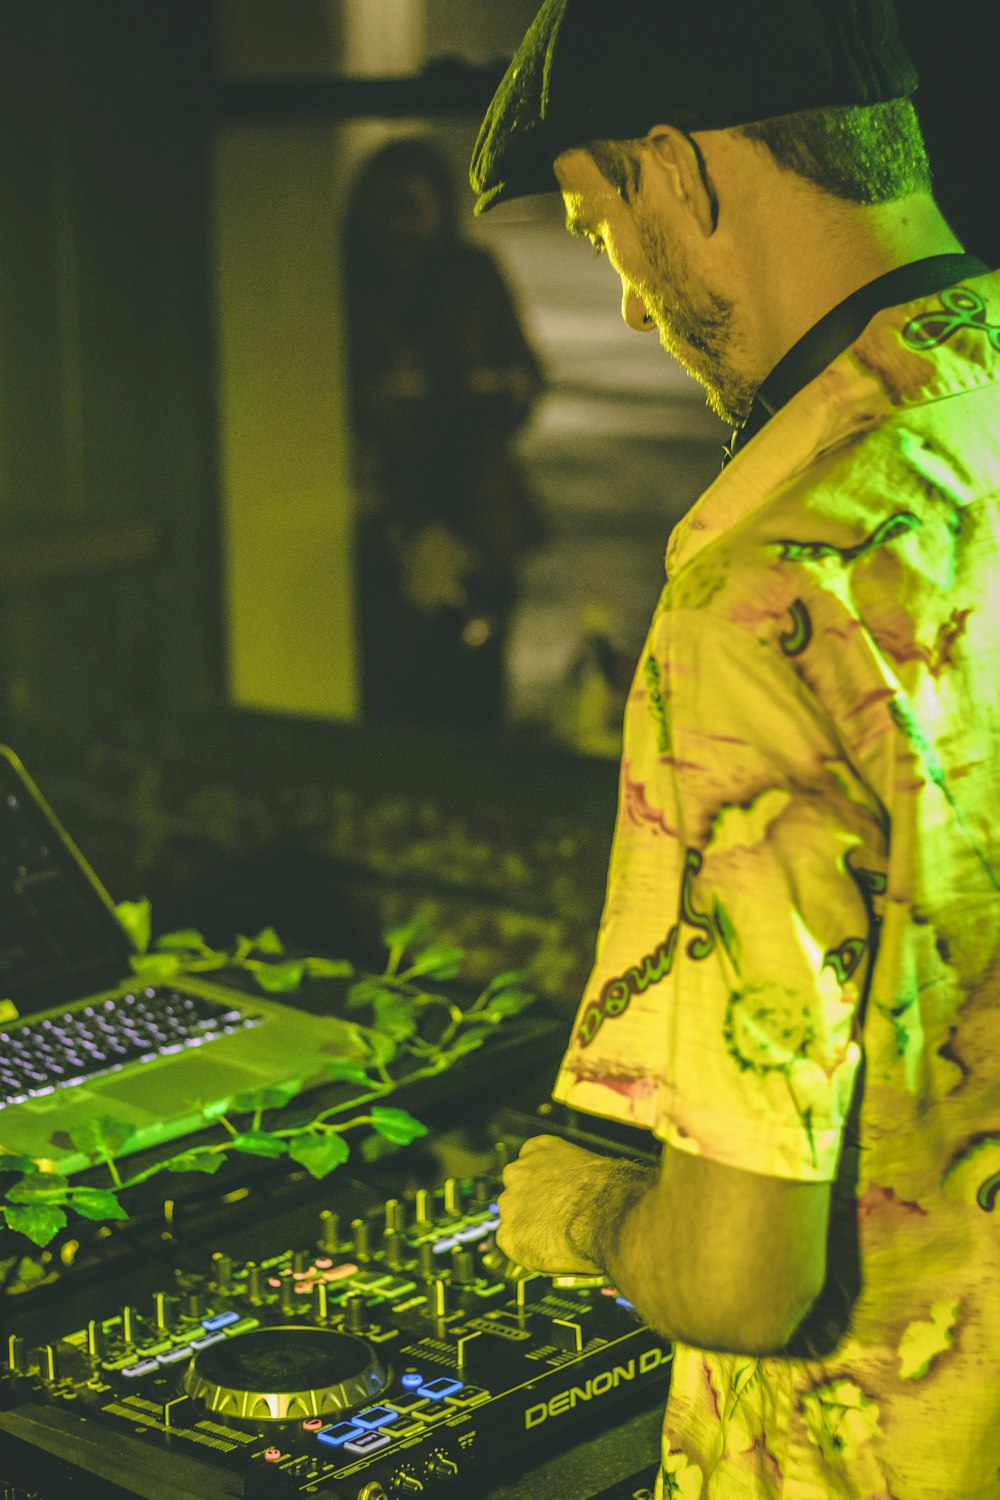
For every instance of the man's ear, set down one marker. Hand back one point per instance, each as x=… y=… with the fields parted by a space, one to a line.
x=677 y=159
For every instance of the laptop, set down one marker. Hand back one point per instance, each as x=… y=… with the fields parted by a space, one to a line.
x=81 y=1036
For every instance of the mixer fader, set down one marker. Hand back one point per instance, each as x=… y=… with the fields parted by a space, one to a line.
x=398 y=1354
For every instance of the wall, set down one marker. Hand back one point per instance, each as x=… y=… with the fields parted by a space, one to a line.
x=108 y=593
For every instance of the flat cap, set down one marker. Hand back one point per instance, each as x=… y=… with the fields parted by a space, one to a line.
x=610 y=69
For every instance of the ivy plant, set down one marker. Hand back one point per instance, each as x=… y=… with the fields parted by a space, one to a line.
x=408 y=1032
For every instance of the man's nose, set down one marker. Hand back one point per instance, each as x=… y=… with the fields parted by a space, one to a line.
x=634 y=312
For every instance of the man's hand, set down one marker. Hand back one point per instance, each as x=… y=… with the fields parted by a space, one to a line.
x=556 y=1201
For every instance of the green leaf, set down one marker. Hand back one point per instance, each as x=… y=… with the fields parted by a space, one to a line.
x=39 y=1187
x=320 y=1154
x=396 y=1125
x=137 y=919
x=30 y=1272
x=189 y=1161
x=184 y=940
x=268 y=941
x=271 y=1096
x=381 y=1046
x=506 y=1003
x=404 y=936
x=96 y=1203
x=101 y=1135
x=346 y=1070
x=259 y=1143
x=155 y=966
x=329 y=968
x=396 y=1016
x=214 y=1108
x=438 y=962
x=466 y=1041
x=39 y=1224
x=504 y=981
x=14 y=1163
x=367 y=991
x=280 y=979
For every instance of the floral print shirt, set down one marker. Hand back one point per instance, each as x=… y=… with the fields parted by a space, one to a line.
x=798 y=967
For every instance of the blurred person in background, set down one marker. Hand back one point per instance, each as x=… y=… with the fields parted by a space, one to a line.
x=442 y=378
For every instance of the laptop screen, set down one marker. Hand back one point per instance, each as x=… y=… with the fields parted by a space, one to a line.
x=59 y=938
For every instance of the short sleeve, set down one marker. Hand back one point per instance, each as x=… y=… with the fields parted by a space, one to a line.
x=760 y=883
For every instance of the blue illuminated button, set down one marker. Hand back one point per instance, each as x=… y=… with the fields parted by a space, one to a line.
x=436 y=1390
x=339 y=1433
x=142 y=1367
x=411 y=1380
x=220 y=1320
x=375 y=1416
x=368 y=1442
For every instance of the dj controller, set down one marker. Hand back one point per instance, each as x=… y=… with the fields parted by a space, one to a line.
x=393 y=1355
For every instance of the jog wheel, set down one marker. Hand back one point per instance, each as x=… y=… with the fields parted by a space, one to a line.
x=284 y=1374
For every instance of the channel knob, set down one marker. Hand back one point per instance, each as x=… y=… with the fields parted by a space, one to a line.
x=128 y=1326
x=193 y=1306
x=163 y=1312
x=222 y=1272
x=440 y=1466
x=452 y=1198
x=438 y=1289
x=362 y=1240
x=329 y=1232
x=17 y=1355
x=394 y=1249
x=356 y=1317
x=97 y=1341
x=463 y=1266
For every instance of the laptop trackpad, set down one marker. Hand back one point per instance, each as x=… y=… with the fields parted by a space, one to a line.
x=171 y=1089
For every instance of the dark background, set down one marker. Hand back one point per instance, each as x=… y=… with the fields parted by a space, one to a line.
x=112 y=650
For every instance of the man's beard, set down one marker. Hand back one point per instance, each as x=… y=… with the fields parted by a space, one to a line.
x=696 y=327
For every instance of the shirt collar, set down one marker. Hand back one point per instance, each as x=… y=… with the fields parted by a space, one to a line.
x=839 y=328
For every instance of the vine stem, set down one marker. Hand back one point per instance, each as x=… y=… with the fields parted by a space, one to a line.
x=112 y=1166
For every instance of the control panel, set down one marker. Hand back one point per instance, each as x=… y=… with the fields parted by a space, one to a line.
x=396 y=1354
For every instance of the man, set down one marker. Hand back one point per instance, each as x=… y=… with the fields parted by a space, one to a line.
x=798 y=971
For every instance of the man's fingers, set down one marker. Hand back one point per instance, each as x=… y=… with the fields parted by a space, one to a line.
x=539 y=1142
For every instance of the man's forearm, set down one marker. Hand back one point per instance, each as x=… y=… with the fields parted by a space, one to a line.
x=621 y=1230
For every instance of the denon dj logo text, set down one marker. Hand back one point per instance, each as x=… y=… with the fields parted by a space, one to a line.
x=597 y=1385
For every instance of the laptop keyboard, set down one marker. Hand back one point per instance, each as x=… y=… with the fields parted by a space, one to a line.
x=39 y=1057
